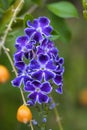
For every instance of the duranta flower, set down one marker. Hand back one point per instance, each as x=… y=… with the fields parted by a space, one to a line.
x=38 y=63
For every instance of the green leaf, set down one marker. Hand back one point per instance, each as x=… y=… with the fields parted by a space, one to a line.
x=4 y=4
x=61 y=28
x=9 y=14
x=63 y=9
x=55 y=36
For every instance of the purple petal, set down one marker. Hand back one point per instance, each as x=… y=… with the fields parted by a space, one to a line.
x=29 y=46
x=47 y=30
x=29 y=87
x=37 y=36
x=61 y=60
x=57 y=58
x=42 y=98
x=58 y=79
x=54 y=51
x=43 y=58
x=29 y=31
x=40 y=50
x=18 y=56
x=20 y=65
x=37 y=75
x=34 y=65
x=46 y=88
x=33 y=96
x=50 y=44
x=26 y=54
x=34 y=24
x=30 y=102
x=21 y=41
x=44 y=21
x=17 y=81
x=59 y=90
x=44 y=43
x=36 y=84
x=27 y=79
x=48 y=75
x=50 y=65
x=60 y=70
x=18 y=47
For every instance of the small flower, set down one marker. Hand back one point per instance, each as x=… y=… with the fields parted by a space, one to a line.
x=41 y=68
x=47 y=47
x=34 y=122
x=25 y=48
x=44 y=120
x=59 y=89
x=38 y=28
x=52 y=106
x=38 y=91
x=23 y=75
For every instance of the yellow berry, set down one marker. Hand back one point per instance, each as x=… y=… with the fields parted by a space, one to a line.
x=4 y=74
x=83 y=97
x=24 y=114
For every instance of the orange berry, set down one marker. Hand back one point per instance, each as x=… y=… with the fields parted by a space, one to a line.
x=83 y=97
x=24 y=114
x=4 y=74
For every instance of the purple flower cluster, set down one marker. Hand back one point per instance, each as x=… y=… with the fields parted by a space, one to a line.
x=38 y=62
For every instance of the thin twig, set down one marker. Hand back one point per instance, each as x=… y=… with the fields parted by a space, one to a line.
x=32 y=9
x=31 y=125
x=57 y=116
x=9 y=57
x=15 y=12
x=4 y=39
x=12 y=64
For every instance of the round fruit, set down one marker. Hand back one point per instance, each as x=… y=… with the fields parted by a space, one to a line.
x=24 y=114
x=83 y=97
x=4 y=74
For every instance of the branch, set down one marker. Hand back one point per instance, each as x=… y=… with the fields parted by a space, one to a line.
x=15 y=12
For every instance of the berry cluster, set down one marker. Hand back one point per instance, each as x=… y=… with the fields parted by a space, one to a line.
x=38 y=62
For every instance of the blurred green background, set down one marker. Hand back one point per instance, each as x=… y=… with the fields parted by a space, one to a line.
x=72 y=111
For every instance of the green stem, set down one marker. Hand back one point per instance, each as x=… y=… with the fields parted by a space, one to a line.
x=32 y=9
x=12 y=64
x=57 y=117
x=4 y=39
x=11 y=21
x=31 y=125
